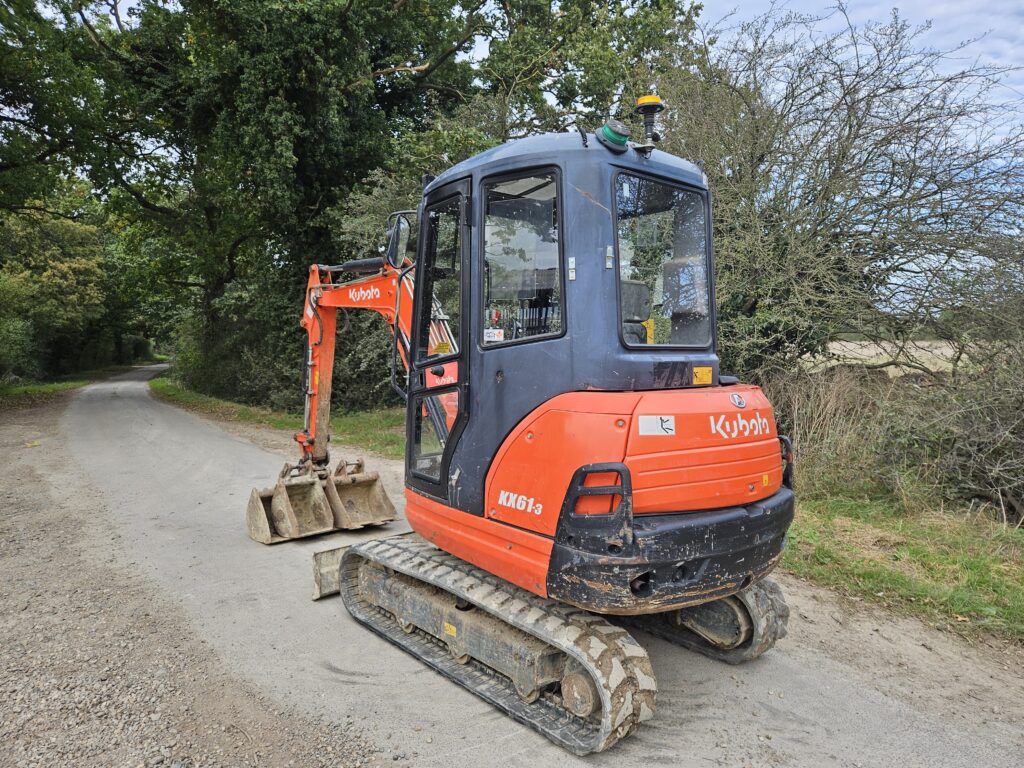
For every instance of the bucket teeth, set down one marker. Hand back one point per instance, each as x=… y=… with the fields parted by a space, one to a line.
x=304 y=503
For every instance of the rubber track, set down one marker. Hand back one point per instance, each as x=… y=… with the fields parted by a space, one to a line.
x=617 y=663
x=769 y=615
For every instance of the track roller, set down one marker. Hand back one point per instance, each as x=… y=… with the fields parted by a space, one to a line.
x=582 y=682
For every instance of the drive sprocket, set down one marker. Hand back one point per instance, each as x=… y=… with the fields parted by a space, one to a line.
x=760 y=615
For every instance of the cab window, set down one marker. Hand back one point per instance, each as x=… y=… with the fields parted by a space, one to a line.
x=522 y=259
x=441 y=297
x=664 y=292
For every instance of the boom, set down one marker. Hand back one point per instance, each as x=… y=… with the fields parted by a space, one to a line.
x=377 y=292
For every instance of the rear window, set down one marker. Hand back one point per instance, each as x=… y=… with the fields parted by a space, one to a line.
x=664 y=293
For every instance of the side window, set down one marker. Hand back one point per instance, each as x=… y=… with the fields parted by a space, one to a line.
x=442 y=285
x=434 y=417
x=522 y=262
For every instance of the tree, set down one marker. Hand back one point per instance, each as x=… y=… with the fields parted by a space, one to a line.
x=855 y=173
x=46 y=97
x=51 y=291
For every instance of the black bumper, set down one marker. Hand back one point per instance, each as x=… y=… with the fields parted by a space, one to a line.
x=618 y=564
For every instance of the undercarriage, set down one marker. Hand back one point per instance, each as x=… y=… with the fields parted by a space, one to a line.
x=578 y=678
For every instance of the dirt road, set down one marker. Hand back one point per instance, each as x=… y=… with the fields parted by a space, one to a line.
x=164 y=509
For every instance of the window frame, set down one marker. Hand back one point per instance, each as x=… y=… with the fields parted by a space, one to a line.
x=420 y=363
x=422 y=396
x=481 y=318
x=705 y=197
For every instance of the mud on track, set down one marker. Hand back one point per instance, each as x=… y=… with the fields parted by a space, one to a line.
x=164 y=534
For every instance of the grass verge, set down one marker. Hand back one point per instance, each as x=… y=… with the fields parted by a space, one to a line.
x=381 y=431
x=36 y=392
x=961 y=572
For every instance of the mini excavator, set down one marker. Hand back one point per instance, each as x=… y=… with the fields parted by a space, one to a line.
x=576 y=465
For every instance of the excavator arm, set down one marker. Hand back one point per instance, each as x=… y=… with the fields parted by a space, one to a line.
x=308 y=498
x=388 y=292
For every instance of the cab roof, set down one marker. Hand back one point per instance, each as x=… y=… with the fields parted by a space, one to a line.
x=567 y=150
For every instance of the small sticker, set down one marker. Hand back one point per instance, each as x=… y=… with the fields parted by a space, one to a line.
x=442 y=348
x=702 y=375
x=657 y=425
x=449 y=629
x=494 y=334
x=764 y=480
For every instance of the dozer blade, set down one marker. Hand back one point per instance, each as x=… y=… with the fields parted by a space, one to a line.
x=303 y=504
x=357 y=497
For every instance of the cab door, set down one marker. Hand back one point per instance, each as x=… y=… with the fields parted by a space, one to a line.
x=438 y=377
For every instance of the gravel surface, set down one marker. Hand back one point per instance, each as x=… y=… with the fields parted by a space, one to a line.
x=140 y=626
x=97 y=668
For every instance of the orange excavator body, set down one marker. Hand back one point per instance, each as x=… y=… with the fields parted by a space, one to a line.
x=570 y=440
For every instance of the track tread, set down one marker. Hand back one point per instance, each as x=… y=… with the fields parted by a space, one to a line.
x=618 y=664
x=769 y=614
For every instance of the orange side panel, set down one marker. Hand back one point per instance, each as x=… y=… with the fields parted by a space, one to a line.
x=528 y=478
x=514 y=555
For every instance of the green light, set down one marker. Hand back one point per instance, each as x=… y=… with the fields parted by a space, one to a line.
x=613 y=136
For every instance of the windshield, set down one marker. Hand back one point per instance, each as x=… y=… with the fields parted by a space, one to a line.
x=663 y=264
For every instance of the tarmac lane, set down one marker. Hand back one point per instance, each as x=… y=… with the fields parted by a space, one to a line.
x=845 y=688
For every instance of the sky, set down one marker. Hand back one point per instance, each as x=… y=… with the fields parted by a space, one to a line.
x=999 y=24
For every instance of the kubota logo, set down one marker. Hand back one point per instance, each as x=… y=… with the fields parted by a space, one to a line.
x=363 y=294
x=738 y=400
x=738 y=425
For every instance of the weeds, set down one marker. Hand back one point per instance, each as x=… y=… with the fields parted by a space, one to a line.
x=961 y=571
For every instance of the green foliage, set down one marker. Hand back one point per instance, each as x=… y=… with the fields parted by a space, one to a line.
x=548 y=66
x=964 y=572
x=47 y=97
x=51 y=291
x=18 y=353
x=64 y=303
